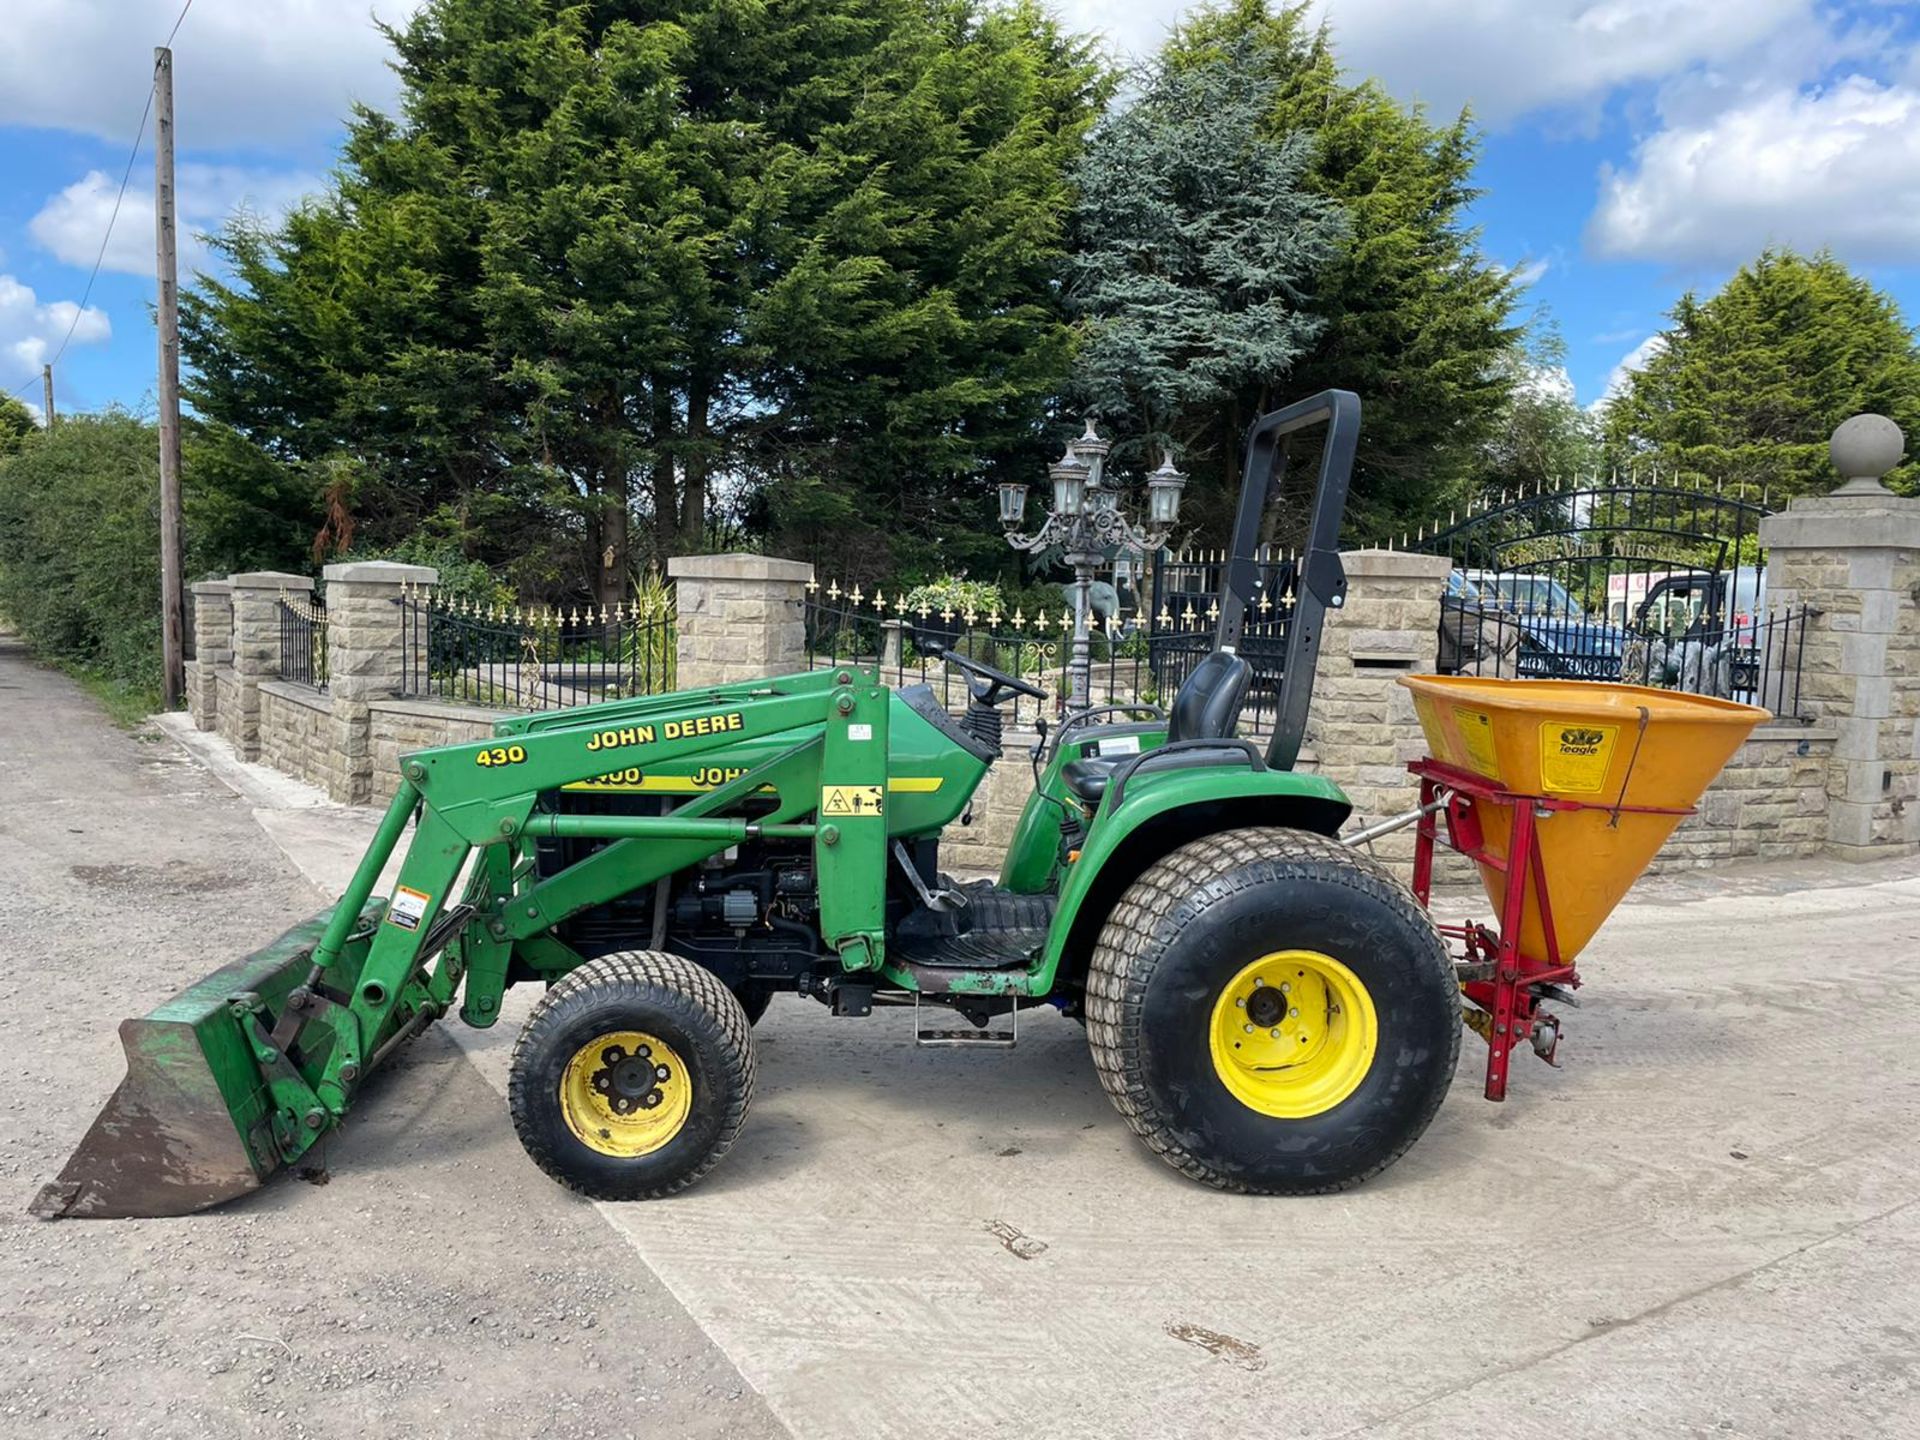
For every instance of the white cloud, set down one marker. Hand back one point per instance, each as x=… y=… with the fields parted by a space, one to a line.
x=1836 y=167
x=31 y=331
x=257 y=73
x=1504 y=57
x=1631 y=363
x=1509 y=57
x=70 y=224
x=1530 y=274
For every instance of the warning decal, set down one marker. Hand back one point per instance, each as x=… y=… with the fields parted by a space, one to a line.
x=407 y=908
x=1574 y=755
x=1476 y=739
x=851 y=800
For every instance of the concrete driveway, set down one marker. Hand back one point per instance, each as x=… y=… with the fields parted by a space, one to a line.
x=1704 y=1225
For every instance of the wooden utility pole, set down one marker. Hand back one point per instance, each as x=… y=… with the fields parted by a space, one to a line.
x=172 y=623
x=46 y=386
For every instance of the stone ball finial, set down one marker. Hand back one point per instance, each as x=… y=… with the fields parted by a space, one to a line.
x=1863 y=449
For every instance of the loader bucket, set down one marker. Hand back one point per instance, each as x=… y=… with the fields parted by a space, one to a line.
x=192 y=1124
x=1607 y=747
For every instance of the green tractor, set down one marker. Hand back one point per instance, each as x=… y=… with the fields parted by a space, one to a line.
x=1270 y=1011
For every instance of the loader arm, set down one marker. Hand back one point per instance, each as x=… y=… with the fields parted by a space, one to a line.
x=224 y=1088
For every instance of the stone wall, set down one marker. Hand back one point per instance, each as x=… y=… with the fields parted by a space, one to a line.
x=256 y=653
x=212 y=649
x=296 y=731
x=1770 y=803
x=395 y=727
x=1361 y=729
x=1861 y=665
x=1848 y=784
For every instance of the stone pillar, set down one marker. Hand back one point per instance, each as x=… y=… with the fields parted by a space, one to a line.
x=366 y=661
x=1854 y=557
x=1362 y=729
x=256 y=652
x=212 y=649
x=741 y=617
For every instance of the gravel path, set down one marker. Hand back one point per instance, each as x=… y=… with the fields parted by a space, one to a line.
x=437 y=1286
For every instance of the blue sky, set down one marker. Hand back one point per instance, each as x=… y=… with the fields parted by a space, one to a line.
x=1632 y=148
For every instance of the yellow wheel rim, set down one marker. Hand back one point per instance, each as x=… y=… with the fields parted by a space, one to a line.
x=625 y=1093
x=1293 y=1034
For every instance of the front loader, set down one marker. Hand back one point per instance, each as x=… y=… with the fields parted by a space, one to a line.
x=1270 y=1011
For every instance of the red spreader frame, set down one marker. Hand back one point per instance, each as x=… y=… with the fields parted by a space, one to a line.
x=1507 y=985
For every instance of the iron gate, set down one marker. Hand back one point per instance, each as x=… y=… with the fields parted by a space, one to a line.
x=1649 y=584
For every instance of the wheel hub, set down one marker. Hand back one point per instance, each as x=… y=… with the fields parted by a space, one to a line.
x=626 y=1093
x=630 y=1082
x=1293 y=1034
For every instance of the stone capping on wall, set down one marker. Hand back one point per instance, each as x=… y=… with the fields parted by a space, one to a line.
x=297 y=695
x=737 y=567
x=438 y=710
x=379 y=572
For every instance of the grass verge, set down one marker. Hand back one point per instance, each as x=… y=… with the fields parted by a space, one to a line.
x=126 y=704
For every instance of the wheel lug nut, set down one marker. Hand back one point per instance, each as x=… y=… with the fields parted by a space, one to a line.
x=1285 y=987
x=1242 y=1004
x=1249 y=1029
x=1293 y=1013
x=1274 y=1033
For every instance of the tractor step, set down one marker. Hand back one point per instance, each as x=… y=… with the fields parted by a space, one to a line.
x=982 y=1038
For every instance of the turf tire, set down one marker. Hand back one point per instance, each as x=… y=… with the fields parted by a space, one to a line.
x=664 y=995
x=1186 y=926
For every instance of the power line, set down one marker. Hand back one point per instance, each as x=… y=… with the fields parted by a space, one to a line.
x=139 y=134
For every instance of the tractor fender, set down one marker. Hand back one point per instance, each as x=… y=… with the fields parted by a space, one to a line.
x=1159 y=813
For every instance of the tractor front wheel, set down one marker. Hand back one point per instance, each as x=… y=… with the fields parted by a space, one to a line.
x=1273 y=1013
x=632 y=1076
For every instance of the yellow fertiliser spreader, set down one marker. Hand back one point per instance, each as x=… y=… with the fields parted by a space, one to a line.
x=1560 y=792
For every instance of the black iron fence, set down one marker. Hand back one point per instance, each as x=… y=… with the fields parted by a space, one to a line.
x=906 y=645
x=1136 y=657
x=1185 y=607
x=519 y=658
x=303 y=639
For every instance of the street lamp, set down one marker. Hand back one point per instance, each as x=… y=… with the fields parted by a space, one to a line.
x=1086 y=523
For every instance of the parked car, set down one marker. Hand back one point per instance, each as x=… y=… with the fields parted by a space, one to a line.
x=1475 y=638
x=1558 y=639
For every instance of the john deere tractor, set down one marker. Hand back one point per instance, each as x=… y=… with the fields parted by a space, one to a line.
x=1268 y=1010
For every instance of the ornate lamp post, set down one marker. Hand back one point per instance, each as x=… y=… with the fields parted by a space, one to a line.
x=1085 y=522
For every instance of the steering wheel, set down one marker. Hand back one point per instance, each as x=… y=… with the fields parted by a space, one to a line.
x=997 y=686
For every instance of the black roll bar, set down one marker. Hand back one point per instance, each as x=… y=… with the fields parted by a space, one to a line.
x=1320 y=582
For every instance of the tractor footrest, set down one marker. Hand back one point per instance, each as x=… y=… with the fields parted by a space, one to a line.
x=995 y=930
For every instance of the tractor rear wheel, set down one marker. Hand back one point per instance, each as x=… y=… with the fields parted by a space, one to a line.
x=632 y=1076
x=1273 y=1013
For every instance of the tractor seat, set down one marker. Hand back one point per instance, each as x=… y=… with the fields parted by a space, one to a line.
x=1207 y=708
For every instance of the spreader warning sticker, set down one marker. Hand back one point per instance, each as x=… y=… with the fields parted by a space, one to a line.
x=408 y=908
x=851 y=800
x=1574 y=755
x=1475 y=729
